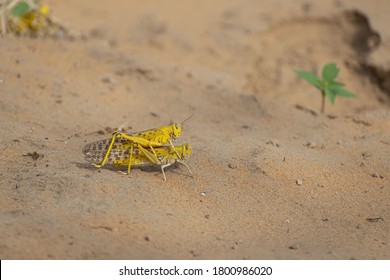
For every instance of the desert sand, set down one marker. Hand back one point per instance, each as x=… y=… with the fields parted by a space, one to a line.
x=273 y=177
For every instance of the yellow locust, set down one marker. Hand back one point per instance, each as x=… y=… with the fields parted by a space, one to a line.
x=156 y=137
x=138 y=157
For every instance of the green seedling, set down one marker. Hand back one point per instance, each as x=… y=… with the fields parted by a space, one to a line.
x=327 y=85
x=27 y=17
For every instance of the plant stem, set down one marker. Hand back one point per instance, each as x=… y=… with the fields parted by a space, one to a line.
x=323 y=102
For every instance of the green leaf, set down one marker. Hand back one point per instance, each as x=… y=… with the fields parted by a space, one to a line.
x=311 y=78
x=335 y=84
x=331 y=95
x=20 y=9
x=342 y=92
x=330 y=72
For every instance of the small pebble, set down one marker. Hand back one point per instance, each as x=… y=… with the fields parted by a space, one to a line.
x=311 y=145
x=232 y=165
x=299 y=182
x=366 y=155
x=274 y=143
x=109 y=80
x=375 y=175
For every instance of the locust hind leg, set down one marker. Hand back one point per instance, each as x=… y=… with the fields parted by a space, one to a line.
x=141 y=143
x=150 y=156
x=131 y=158
x=113 y=137
x=130 y=161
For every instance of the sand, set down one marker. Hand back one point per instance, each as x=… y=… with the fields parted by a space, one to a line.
x=273 y=177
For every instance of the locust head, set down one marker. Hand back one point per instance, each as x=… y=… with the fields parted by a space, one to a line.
x=186 y=150
x=176 y=130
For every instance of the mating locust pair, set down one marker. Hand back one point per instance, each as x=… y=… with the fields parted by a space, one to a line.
x=140 y=149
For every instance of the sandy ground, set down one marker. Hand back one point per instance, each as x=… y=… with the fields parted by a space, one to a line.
x=255 y=132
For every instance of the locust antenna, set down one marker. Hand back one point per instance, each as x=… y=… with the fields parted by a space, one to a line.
x=187 y=119
x=197 y=149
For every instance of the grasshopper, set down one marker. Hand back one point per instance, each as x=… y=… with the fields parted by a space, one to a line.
x=140 y=157
x=151 y=138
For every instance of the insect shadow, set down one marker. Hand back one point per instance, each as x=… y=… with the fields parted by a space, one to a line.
x=148 y=169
